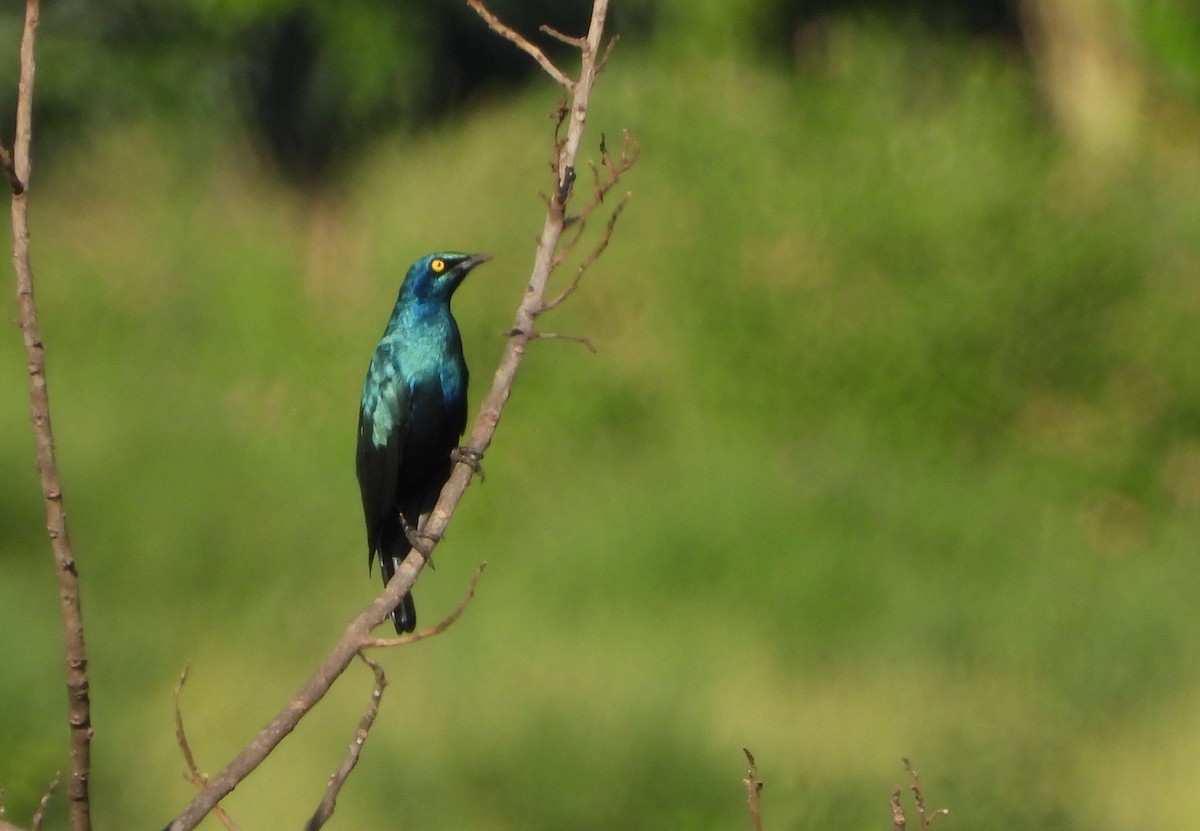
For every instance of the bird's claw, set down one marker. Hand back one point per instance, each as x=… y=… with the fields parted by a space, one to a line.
x=420 y=540
x=470 y=457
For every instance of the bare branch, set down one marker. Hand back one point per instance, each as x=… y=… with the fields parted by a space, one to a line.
x=181 y=735
x=39 y=816
x=899 y=821
x=592 y=257
x=602 y=184
x=355 y=638
x=356 y=634
x=329 y=802
x=591 y=347
x=524 y=45
x=578 y=43
x=603 y=61
x=919 y=798
x=194 y=775
x=437 y=628
x=78 y=704
x=314 y=689
x=754 y=787
x=17 y=186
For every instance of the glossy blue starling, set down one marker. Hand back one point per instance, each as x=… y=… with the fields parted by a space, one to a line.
x=413 y=412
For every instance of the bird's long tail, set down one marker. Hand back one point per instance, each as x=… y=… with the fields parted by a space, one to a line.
x=405 y=614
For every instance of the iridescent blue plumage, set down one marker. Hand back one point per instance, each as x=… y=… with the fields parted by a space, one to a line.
x=413 y=411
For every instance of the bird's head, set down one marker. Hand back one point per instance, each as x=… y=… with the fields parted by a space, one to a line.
x=436 y=276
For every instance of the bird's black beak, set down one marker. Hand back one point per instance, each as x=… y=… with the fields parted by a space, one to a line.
x=472 y=261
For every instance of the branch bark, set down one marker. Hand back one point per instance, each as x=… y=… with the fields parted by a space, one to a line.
x=356 y=637
x=328 y=802
x=357 y=634
x=78 y=704
x=754 y=787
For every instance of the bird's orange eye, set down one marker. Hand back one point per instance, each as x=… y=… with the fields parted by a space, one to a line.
x=438 y=266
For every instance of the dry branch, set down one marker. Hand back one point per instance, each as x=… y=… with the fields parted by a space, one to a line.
x=39 y=816
x=194 y=775
x=78 y=705
x=754 y=787
x=357 y=634
x=437 y=628
x=355 y=638
x=14 y=183
x=924 y=819
x=329 y=800
x=524 y=45
x=578 y=43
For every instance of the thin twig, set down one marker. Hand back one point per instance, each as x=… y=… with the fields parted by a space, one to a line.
x=78 y=704
x=919 y=798
x=181 y=735
x=603 y=60
x=355 y=638
x=614 y=170
x=591 y=347
x=437 y=628
x=39 y=816
x=593 y=256
x=560 y=118
x=194 y=775
x=754 y=787
x=329 y=801
x=578 y=43
x=11 y=172
x=522 y=43
x=898 y=820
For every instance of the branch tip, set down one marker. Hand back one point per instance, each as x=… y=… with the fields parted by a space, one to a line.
x=924 y=819
x=39 y=816
x=578 y=43
x=612 y=42
x=591 y=347
x=328 y=803
x=496 y=25
x=754 y=787
x=437 y=628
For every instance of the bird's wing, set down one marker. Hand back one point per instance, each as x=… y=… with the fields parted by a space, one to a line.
x=383 y=424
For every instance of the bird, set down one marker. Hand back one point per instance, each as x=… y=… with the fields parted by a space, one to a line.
x=412 y=414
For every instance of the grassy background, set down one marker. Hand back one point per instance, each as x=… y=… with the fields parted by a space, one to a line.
x=891 y=447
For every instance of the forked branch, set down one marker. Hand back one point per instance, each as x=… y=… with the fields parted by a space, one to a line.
x=525 y=46
x=356 y=638
x=194 y=775
x=924 y=818
x=329 y=800
x=357 y=633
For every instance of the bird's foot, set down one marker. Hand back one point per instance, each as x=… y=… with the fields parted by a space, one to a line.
x=420 y=540
x=470 y=457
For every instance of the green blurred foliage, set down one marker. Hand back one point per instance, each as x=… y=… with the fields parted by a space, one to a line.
x=891 y=447
x=1166 y=33
x=313 y=83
